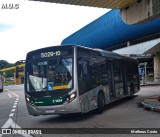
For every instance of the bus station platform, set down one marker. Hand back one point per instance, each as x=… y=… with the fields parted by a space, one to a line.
x=152 y=102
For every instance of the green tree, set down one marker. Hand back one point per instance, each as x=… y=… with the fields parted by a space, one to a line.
x=5 y=64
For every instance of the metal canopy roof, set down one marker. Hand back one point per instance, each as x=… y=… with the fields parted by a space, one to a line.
x=110 y=4
x=148 y=47
x=153 y=50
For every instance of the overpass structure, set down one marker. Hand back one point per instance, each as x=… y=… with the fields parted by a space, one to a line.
x=111 y=4
x=131 y=11
x=18 y=75
x=12 y=68
x=110 y=32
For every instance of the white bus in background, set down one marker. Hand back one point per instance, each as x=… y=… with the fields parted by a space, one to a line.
x=1 y=84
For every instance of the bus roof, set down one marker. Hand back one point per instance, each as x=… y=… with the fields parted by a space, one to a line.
x=102 y=52
x=107 y=53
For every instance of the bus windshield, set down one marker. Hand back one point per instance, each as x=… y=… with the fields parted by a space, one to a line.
x=49 y=75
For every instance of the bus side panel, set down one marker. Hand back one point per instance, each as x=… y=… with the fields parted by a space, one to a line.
x=92 y=78
x=76 y=104
x=88 y=100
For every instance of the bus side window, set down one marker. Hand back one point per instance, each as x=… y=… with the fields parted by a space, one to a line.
x=96 y=71
x=117 y=72
x=84 y=78
x=103 y=70
x=80 y=75
x=81 y=83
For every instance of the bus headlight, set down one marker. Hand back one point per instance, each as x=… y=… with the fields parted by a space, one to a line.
x=27 y=99
x=71 y=97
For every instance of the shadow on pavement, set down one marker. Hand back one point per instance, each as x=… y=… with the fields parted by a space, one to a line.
x=82 y=117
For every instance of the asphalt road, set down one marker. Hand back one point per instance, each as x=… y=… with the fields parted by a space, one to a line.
x=122 y=114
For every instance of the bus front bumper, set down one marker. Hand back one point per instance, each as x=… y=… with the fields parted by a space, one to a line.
x=72 y=107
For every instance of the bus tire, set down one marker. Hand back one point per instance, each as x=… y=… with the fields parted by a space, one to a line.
x=1 y=90
x=100 y=103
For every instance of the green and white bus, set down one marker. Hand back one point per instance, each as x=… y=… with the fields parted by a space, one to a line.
x=74 y=79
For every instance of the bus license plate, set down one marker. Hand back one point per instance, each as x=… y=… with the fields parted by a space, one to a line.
x=50 y=111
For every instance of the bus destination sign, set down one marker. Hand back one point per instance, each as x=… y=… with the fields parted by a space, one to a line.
x=50 y=54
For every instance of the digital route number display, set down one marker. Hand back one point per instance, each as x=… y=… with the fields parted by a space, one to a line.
x=50 y=54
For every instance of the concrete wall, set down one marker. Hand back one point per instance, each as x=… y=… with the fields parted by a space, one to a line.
x=157 y=68
x=141 y=12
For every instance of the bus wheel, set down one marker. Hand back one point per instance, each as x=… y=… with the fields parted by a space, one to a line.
x=1 y=90
x=100 y=103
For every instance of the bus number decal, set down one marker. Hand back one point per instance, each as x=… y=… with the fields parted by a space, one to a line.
x=57 y=100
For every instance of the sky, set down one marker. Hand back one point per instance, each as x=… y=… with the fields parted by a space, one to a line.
x=35 y=25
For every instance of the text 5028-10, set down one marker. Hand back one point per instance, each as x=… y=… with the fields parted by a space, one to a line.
x=9 y=6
